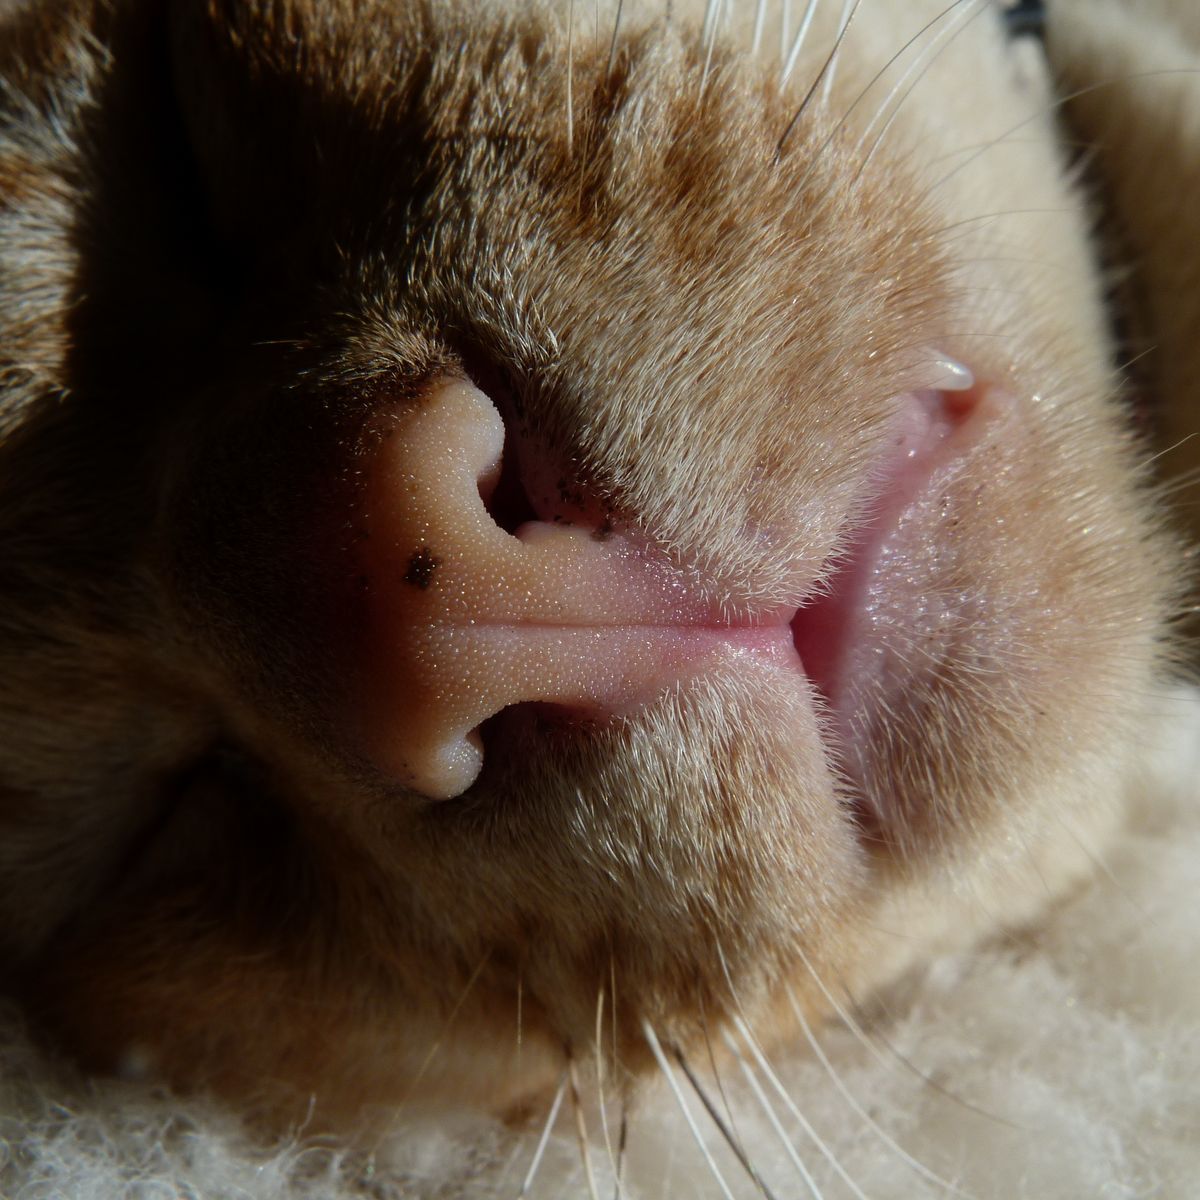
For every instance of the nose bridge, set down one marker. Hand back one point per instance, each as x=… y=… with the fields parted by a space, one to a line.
x=465 y=618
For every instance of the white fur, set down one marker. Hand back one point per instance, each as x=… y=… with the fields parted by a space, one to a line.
x=1063 y=1064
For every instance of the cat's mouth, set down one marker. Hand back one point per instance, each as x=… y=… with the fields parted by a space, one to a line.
x=466 y=618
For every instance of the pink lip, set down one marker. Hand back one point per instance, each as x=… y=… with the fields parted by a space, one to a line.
x=832 y=632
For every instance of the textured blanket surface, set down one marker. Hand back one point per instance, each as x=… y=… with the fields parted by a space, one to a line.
x=1063 y=1062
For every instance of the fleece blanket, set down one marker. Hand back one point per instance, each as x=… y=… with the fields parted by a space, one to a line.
x=1062 y=1061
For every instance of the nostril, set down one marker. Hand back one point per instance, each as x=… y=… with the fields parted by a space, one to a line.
x=463 y=621
x=503 y=492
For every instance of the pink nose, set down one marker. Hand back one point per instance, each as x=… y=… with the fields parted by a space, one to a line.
x=465 y=619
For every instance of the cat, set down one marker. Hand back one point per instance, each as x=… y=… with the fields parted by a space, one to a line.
x=533 y=540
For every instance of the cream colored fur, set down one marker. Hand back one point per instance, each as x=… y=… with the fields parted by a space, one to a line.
x=1132 y=70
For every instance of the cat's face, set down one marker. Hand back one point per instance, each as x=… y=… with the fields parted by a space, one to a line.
x=262 y=263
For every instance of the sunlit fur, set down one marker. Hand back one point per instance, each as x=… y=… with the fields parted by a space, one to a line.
x=228 y=230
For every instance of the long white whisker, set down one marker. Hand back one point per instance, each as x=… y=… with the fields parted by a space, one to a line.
x=851 y=1100
x=923 y=61
x=790 y=1104
x=844 y=1014
x=798 y=41
x=712 y=17
x=541 y=1145
x=843 y=21
x=665 y=1067
x=760 y=21
x=862 y=95
x=772 y=1117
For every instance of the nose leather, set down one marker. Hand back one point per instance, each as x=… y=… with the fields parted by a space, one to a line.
x=465 y=618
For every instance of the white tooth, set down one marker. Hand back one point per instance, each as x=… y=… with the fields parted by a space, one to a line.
x=950 y=375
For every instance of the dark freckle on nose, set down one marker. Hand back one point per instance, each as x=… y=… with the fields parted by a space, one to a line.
x=420 y=568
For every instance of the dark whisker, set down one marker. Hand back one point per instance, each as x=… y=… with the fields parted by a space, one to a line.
x=665 y=1067
x=880 y=73
x=612 y=45
x=622 y=1139
x=772 y=1117
x=726 y=1132
x=773 y=1079
x=1045 y=109
x=779 y=146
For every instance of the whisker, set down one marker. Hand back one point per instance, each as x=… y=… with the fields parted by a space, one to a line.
x=1183 y=441
x=798 y=41
x=622 y=1140
x=946 y=37
x=760 y=21
x=851 y=1100
x=846 y=1016
x=665 y=1067
x=712 y=17
x=612 y=45
x=570 y=78
x=612 y=985
x=1046 y=109
x=783 y=137
x=716 y=1074
x=862 y=95
x=440 y=1040
x=772 y=1117
x=790 y=1104
x=1171 y=489
x=604 y=1130
x=520 y=1019
x=993 y=216
x=914 y=65
x=545 y=1137
x=733 y=1142
x=581 y=1130
x=843 y=21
